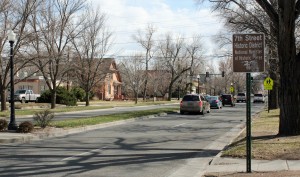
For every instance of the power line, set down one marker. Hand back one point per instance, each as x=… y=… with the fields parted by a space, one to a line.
x=157 y=40
x=158 y=57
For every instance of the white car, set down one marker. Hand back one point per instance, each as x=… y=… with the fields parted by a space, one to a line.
x=241 y=97
x=258 y=98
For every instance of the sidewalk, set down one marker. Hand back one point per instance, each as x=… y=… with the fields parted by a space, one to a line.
x=220 y=164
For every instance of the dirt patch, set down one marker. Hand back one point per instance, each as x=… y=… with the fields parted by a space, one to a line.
x=266 y=144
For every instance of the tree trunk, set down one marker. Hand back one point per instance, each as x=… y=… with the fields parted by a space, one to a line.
x=289 y=123
x=136 y=98
x=87 y=99
x=145 y=89
x=170 y=92
x=273 y=71
x=3 y=100
x=53 y=99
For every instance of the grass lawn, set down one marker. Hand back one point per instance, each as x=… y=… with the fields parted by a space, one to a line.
x=31 y=108
x=109 y=118
x=266 y=144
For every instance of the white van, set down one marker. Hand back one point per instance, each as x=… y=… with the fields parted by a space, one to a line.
x=258 y=97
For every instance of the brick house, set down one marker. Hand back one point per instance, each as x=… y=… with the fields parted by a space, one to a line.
x=108 y=88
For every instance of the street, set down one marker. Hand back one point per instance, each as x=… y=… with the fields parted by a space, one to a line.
x=163 y=146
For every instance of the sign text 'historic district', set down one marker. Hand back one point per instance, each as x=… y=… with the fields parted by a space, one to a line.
x=248 y=53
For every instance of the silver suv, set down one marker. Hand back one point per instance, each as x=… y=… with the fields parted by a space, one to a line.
x=194 y=103
x=241 y=97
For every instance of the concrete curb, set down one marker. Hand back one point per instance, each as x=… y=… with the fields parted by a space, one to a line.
x=242 y=129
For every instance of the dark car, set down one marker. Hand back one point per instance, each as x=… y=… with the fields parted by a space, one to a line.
x=227 y=99
x=215 y=102
x=194 y=103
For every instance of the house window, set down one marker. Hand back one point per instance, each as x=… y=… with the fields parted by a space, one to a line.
x=25 y=87
x=109 y=89
x=115 y=90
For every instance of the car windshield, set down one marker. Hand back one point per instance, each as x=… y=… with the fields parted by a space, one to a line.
x=190 y=98
x=226 y=96
x=20 y=91
x=258 y=95
x=212 y=98
x=241 y=94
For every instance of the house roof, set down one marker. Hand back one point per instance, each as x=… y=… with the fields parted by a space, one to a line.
x=109 y=65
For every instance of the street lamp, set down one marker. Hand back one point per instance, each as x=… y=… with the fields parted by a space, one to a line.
x=12 y=124
x=198 y=77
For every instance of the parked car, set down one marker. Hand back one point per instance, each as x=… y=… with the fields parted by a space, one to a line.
x=227 y=99
x=194 y=103
x=215 y=102
x=258 y=97
x=241 y=97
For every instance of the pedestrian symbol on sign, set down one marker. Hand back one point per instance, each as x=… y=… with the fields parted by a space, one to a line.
x=268 y=83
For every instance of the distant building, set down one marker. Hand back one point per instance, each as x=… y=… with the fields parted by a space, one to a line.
x=109 y=88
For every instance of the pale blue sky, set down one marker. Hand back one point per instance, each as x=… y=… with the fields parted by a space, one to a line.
x=180 y=17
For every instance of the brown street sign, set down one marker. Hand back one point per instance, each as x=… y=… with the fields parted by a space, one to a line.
x=248 y=53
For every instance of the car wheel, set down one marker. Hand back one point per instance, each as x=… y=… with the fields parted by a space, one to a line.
x=208 y=111
x=181 y=112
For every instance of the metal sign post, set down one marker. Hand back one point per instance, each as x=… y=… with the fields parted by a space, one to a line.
x=248 y=122
x=248 y=57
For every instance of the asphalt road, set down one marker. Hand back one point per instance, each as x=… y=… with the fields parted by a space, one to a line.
x=167 y=146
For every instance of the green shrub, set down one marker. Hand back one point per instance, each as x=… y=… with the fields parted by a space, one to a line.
x=45 y=97
x=79 y=93
x=3 y=125
x=43 y=118
x=25 y=127
x=63 y=96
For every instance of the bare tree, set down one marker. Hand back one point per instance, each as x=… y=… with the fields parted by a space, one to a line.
x=14 y=15
x=91 y=45
x=54 y=25
x=147 y=43
x=174 y=56
x=238 y=79
x=284 y=14
x=247 y=17
x=132 y=71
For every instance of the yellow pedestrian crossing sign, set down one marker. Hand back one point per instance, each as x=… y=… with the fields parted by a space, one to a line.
x=268 y=83
x=231 y=89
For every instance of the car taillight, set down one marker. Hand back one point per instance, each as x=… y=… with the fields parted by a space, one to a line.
x=180 y=103
x=200 y=103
